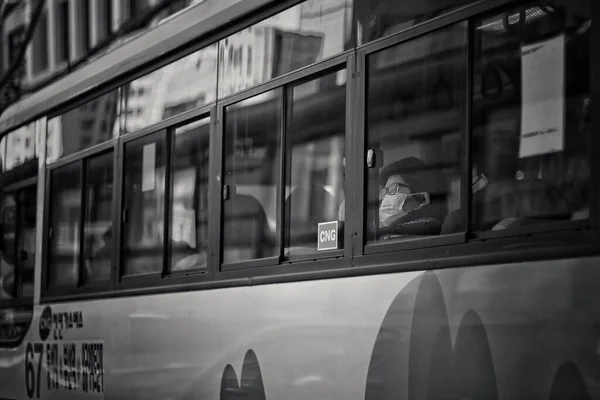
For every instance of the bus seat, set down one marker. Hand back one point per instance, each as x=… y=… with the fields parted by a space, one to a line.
x=244 y=229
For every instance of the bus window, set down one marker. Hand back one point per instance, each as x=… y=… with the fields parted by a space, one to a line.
x=25 y=237
x=251 y=174
x=143 y=197
x=178 y=87
x=415 y=119
x=65 y=217
x=379 y=18
x=531 y=116
x=302 y=35
x=90 y=124
x=189 y=207
x=9 y=233
x=97 y=230
x=315 y=139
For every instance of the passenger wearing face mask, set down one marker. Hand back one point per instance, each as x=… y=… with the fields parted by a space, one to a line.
x=411 y=200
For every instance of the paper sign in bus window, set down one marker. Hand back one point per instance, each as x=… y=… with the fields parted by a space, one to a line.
x=148 y=167
x=543 y=97
x=327 y=236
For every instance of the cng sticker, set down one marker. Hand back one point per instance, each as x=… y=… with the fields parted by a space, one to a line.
x=328 y=236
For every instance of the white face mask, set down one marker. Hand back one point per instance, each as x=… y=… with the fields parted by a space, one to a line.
x=479 y=182
x=393 y=208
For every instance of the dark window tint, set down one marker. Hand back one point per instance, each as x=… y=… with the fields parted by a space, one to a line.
x=532 y=115
x=106 y=8
x=26 y=250
x=415 y=119
x=40 y=45
x=62 y=27
x=83 y=127
x=65 y=220
x=189 y=212
x=251 y=177
x=9 y=252
x=98 y=230
x=379 y=18
x=181 y=86
x=137 y=7
x=84 y=40
x=15 y=38
x=144 y=199
x=300 y=36
x=315 y=171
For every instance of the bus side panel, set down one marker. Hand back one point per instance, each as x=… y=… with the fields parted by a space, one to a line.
x=529 y=330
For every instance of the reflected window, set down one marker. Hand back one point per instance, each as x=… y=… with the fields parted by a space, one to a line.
x=98 y=230
x=14 y=323
x=189 y=208
x=83 y=127
x=315 y=152
x=531 y=116
x=18 y=251
x=144 y=199
x=9 y=253
x=380 y=18
x=415 y=118
x=21 y=145
x=65 y=219
x=297 y=37
x=181 y=86
x=251 y=175
x=26 y=251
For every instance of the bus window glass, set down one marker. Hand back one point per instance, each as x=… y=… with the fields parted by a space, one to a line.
x=14 y=323
x=415 y=119
x=143 y=197
x=379 y=18
x=90 y=124
x=9 y=234
x=189 y=208
x=315 y=142
x=531 y=116
x=25 y=236
x=183 y=85
x=21 y=146
x=97 y=230
x=299 y=36
x=65 y=219
x=251 y=175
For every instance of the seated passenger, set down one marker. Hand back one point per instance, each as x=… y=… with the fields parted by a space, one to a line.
x=412 y=201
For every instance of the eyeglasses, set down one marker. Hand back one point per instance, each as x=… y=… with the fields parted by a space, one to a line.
x=391 y=190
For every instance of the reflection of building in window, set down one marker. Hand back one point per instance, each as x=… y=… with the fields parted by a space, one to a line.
x=292 y=39
x=82 y=127
x=21 y=146
x=178 y=87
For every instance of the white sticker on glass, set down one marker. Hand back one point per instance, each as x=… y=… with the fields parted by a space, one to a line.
x=149 y=167
x=543 y=97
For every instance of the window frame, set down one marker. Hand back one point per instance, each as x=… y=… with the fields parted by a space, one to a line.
x=389 y=42
x=14 y=189
x=81 y=158
x=468 y=15
x=282 y=84
x=165 y=277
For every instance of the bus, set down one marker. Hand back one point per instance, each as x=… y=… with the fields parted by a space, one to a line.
x=333 y=199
